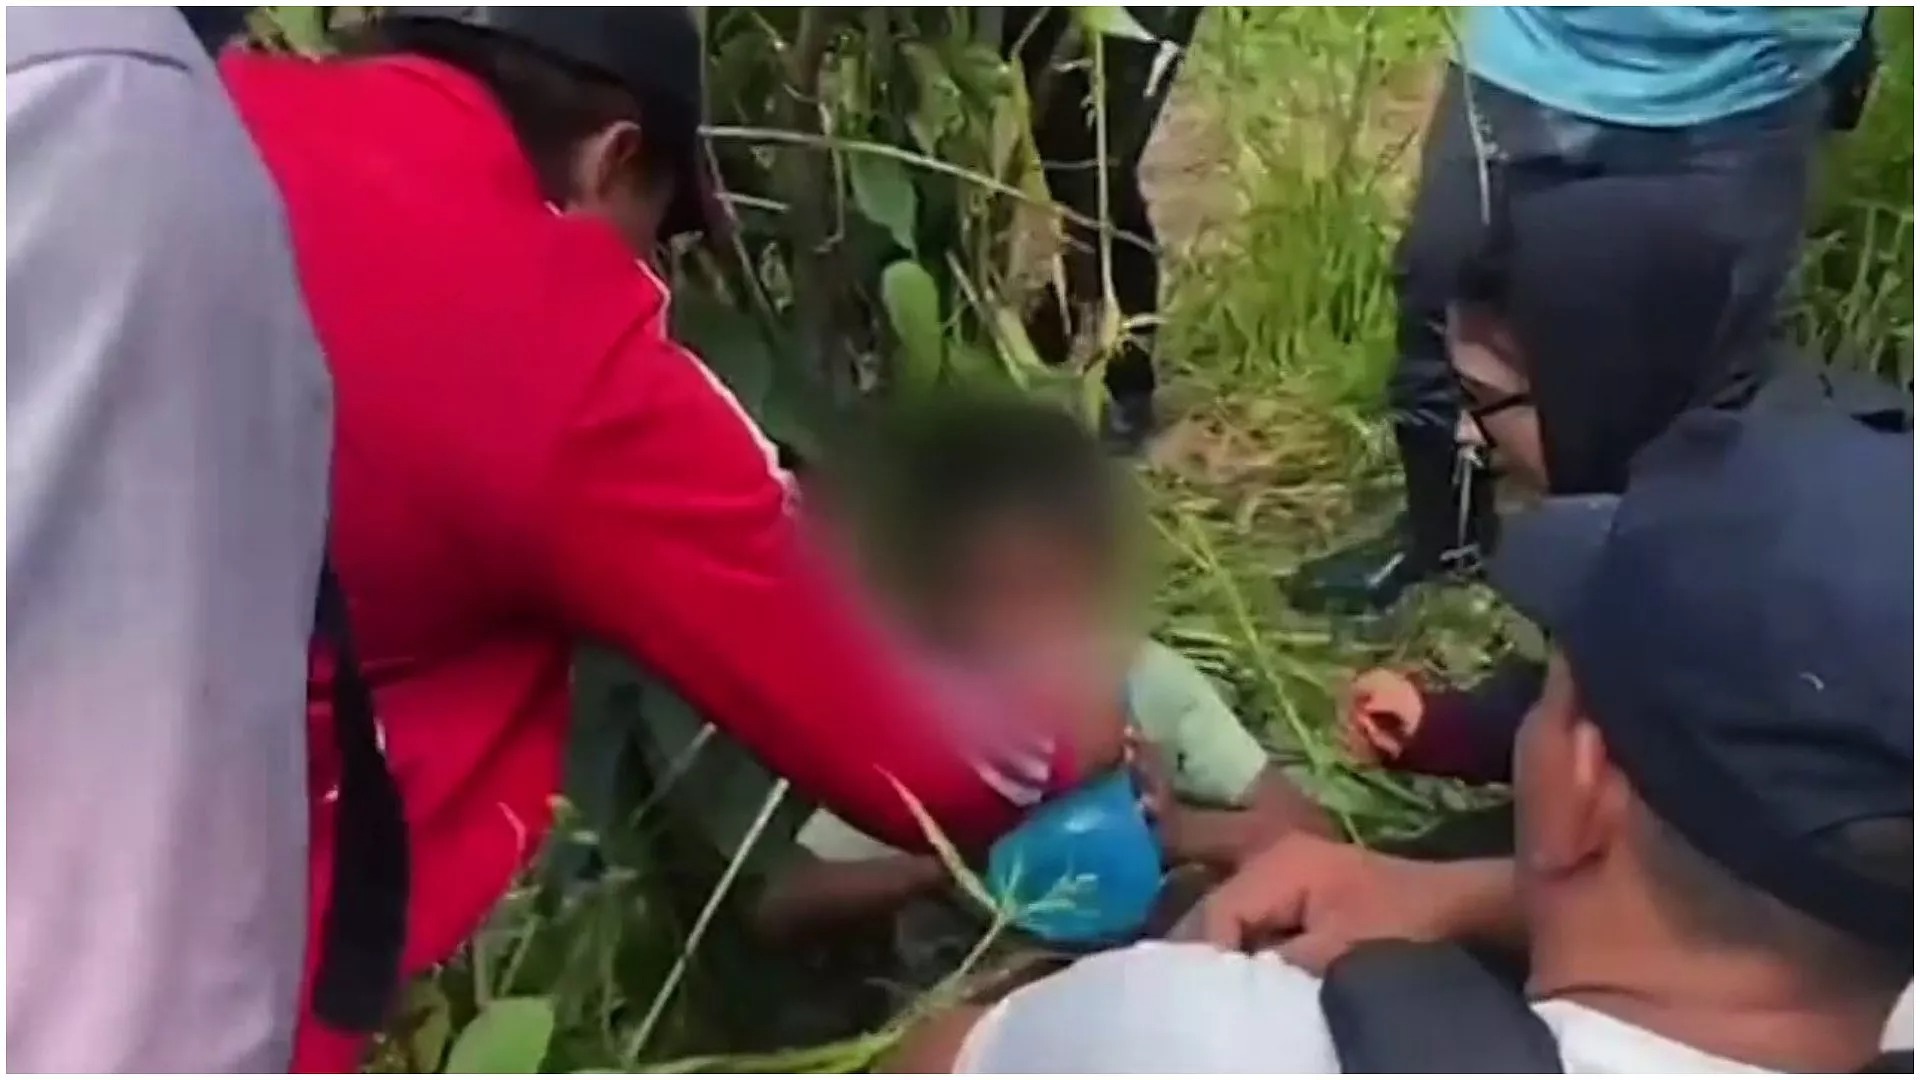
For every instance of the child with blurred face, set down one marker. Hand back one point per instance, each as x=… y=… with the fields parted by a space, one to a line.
x=1002 y=530
x=1004 y=534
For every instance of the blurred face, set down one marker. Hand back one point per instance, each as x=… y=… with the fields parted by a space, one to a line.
x=1039 y=607
x=1023 y=594
x=611 y=182
x=1500 y=416
x=1570 y=804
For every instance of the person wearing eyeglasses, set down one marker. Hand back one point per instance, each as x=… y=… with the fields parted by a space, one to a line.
x=1595 y=314
x=1742 y=94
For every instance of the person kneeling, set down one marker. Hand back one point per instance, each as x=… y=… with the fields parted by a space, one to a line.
x=1002 y=526
x=1714 y=793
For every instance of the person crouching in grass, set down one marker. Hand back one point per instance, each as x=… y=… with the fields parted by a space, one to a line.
x=1001 y=528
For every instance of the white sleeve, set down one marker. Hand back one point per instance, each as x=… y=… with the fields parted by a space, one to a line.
x=830 y=839
x=1158 y=1008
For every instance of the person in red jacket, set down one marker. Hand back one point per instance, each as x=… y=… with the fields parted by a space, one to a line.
x=526 y=459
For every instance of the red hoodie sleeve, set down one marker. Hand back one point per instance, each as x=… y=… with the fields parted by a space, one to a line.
x=673 y=536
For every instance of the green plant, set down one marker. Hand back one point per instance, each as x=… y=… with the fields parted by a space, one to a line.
x=1857 y=287
x=893 y=214
x=893 y=226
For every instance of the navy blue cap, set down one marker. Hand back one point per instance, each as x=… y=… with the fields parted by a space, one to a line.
x=1740 y=624
x=656 y=53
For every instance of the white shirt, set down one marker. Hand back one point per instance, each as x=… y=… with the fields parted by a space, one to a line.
x=1180 y=1008
x=168 y=426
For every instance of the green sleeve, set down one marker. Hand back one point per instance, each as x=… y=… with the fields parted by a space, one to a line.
x=1215 y=759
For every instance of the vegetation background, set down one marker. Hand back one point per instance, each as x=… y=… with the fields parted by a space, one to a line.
x=894 y=227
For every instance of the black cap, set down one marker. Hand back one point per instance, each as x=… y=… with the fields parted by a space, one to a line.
x=655 y=53
x=1740 y=624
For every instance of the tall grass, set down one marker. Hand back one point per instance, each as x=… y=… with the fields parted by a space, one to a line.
x=1858 y=283
x=1283 y=324
x=1298 y=128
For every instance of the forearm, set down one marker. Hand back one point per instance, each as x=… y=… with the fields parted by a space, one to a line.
x=666 y=532
x=1223 y=839
x=1468 y=734
x=826 y=896
x=1479 y=902
x=1279 y=807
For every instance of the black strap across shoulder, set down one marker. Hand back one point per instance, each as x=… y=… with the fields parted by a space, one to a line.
x=1407 y=1007
x=1410 y=1007
x=363 y=931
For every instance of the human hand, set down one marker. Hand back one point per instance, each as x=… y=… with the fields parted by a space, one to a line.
x=1381 y=712
x=1314 y=899
x=1153 y=777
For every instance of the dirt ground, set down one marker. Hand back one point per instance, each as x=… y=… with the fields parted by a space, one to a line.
x=1187 y=172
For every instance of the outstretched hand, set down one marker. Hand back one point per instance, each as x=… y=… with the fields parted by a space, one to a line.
x=1313 y=900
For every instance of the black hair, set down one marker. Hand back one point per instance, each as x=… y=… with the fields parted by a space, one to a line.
x=933 y=477
x=551 y=103
x=1484 y=281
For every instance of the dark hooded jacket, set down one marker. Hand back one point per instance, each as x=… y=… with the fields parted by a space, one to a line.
x=1621 y=298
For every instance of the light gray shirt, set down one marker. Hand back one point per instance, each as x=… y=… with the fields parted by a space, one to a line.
x=168 y=429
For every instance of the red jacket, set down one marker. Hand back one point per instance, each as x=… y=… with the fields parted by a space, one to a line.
x=525 y=459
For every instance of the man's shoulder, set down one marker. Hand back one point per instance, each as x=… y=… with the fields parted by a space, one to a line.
x=156 y=35
x=1159 y=1007
x=1593 y=1042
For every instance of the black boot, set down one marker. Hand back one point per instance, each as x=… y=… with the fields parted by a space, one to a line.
x=1128 y=423
x=1448 y=524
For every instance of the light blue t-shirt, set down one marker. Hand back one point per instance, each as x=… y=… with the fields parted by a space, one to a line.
x=1658 y=66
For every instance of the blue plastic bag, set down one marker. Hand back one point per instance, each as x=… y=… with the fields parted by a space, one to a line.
x=1083 y=869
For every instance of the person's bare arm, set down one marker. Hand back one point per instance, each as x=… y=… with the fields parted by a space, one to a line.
x=1277 y=806
x=934 y=1044
x=817 y=895
x=1223 y=839
x=667 y=531
x=1314 y=899
x=1480 y=903
x=1220 y=763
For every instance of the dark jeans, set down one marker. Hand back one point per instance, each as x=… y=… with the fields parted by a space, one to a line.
x=1765 y=158
x=1064 y=134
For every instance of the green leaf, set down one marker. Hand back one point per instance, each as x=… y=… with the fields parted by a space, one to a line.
x=1011 y=334
x=884 y=194
x=949 y=856
x=729 y=343
x=973 y=365
x=1010 y=130
x=509 y=1036
x=301 y=29
x=430 y=1020
x=1113 y=22
x=938 y=107
x=913 y=307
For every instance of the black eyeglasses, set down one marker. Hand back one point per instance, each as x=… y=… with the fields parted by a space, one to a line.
x=1481 y=413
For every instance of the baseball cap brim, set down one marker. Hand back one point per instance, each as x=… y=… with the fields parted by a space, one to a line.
x=1547 y=555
